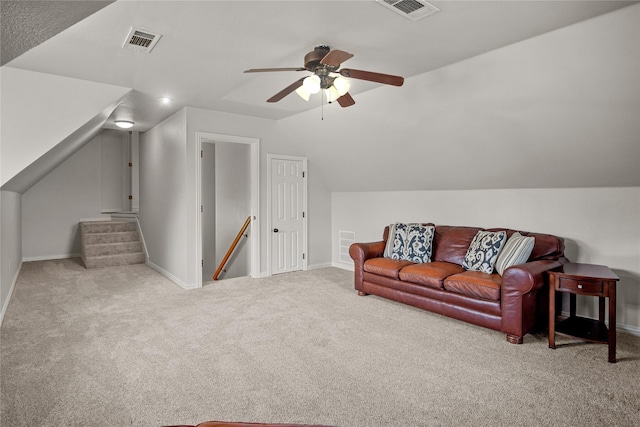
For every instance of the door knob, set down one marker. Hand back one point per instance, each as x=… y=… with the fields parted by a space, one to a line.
x=275 y=230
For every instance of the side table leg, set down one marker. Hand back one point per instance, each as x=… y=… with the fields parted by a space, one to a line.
x=612 y=322
x=552 y=316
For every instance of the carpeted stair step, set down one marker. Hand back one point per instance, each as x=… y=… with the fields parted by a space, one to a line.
x=114 y=260
x=110 y=243
x=116 y=237
x=102 y=249
x=108 y=226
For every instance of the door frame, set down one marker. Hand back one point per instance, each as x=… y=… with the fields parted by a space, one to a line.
x=207 y=138
x=305 y=218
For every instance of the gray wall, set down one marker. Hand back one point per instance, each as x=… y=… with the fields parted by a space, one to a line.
x=113 y=146
x=10 y=244
x=163 y=197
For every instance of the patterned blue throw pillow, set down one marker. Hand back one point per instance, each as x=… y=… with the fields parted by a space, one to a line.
x=483 y=251
x=410 y=242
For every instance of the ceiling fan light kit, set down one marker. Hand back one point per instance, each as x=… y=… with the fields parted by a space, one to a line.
x=327 y=76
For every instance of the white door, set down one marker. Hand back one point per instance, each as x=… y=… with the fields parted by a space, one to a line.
x=288 y=222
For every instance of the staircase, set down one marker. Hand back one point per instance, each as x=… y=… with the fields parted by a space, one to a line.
x=110 y=243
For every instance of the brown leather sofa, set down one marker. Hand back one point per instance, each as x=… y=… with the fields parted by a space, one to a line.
x=512 y=303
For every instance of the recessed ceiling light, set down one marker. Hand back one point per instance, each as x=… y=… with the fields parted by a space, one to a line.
x=124 y=124
x=165 y=99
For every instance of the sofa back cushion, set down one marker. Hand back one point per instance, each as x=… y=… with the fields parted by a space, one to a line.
x=546 y=246
x=450 y=243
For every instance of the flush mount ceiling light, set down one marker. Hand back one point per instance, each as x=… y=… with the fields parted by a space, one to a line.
x=165 y=100
x=124 y=124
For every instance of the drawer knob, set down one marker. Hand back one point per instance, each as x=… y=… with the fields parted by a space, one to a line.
x=579 y=286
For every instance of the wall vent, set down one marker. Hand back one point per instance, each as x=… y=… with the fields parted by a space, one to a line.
x=345 y=239
x=411 y=9
x=140 y=40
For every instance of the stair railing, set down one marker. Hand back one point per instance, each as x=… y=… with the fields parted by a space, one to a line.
x=232 y=248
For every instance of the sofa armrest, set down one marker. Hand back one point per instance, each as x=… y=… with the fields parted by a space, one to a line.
x=520 y=288
x=524 y=278
x=360 y=252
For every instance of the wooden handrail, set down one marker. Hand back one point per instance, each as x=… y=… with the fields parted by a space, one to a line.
x=232 y=248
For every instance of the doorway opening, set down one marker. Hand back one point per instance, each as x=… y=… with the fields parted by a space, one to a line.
x=227 y=195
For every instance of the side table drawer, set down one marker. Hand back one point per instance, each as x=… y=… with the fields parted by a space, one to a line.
x=581 y=286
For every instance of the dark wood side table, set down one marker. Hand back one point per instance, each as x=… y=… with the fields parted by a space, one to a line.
x=584 y=279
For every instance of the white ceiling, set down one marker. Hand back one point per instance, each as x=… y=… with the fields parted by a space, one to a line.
x=206 y=45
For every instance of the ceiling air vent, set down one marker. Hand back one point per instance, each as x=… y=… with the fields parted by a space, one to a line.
x=140 y=40
x=412 y=9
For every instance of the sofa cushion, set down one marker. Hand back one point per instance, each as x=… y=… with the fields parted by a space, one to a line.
x=385 y=266
x=411 y=242
x=515 y=251
x=450 y=243
x=475 y=284
x=483 y=251
x=546 y=246
x=431 y=274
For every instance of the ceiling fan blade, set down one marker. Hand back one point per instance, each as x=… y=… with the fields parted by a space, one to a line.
x=265 y=70
x=346 y=100
x=335 y=57
x=387 y=79
x=286 y=91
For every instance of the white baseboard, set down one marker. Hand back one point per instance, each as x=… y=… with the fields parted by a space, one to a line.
x=343 y=266
x=13 y=285
x=170 y=276
x=316 y=266
x=50 y=257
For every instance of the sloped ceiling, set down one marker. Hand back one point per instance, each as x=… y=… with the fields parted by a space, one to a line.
x=498 y=94
x=26 y=24
x=206 y=45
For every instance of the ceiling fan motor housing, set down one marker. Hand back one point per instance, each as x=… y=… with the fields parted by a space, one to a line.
x=313 y=58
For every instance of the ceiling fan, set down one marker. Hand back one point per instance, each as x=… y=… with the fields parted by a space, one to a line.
x=327 y=75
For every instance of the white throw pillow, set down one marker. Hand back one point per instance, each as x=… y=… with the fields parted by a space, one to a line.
x=516 y=251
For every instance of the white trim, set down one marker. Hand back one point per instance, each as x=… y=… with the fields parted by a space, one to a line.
x=343 y=266
x=50 y=257
x=144 y=244
x=170 y=276
x=632 y=330
x=317 y=266
x=10 y=294
x=305 y=248
x=205 y=137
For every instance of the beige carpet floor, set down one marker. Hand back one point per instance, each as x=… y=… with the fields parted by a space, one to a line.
x=124 y=346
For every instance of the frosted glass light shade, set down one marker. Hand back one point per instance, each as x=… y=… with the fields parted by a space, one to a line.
x=331 y=94
x=342 y=85
x=124 y=124
x=303 y=93
x=312 y=84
